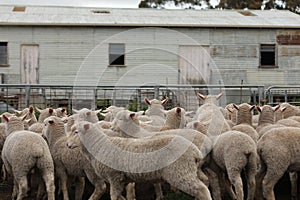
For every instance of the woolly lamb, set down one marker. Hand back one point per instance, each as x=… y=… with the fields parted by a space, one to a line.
x=279 y=153
x=70 y=162
x=244 y=120
x=142 y=160
x=209 y=114
x=266 y=118
x=22 y=151
x=85 y=114
x=233 y=152
x=289 y=110
x=231 y=113
x=156 y=111
x=38 y=127
x=61 y=112
x=30 y=116
x=110 y=112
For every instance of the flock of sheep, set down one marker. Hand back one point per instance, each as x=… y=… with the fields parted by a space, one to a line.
x=205 y=153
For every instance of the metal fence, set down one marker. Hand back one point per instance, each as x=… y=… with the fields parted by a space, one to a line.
x=20 y=96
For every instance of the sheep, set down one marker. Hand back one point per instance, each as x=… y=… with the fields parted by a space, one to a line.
x=110 y=112
x=118 y=160
x=61 y=112
x=233 y=152
x=231 y=113
x=244 y=120
x=38 y=127
x=288 y=122
x=210 y=115
x=30 y=116
x=70 y=162
x=266 y=118
x=127 y=124
x=85 y=114
x=279 y=153
x=156 y=111
x=289 y=110
x=22 y=151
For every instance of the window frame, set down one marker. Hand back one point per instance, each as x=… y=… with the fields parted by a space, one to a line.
x=115 y=61
x=263 y=48
x=4 y=57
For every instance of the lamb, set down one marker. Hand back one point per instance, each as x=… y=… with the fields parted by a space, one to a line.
x=30 y=116
x=209 y=114
x=110 y=112
x=85 y=114
x=233 y=152
x=38 y=127
x=70 y=162
x=289 y=110
x=244 y=120
x=61 y=112
x=279 y=153
x=118 y=160
x=156 y=111
x=127 y=124
x=231 y=113
x=22 y=151
x=266 y=118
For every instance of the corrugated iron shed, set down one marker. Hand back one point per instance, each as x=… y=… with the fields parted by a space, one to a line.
x=83 y=16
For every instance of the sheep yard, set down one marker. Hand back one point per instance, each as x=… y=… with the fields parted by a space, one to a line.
x=62 y=120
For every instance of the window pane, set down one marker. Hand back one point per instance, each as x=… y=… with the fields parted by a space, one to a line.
x=116 y=54
x=267 y=54
x=3 y=52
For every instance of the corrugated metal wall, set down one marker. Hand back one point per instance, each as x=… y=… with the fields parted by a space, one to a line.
x=79 y=55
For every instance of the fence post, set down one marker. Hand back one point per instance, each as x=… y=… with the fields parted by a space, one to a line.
x=27 y=94
x=139 y=100
x=156 y=92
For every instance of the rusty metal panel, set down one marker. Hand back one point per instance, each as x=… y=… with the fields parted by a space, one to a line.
x=234 y=51
x=288 y=39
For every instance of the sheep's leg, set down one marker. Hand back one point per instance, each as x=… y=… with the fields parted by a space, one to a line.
x=41 y=190
x=64 y=186
x=214 y=184
x=130 y=191
x=100 y=188
x=50 y=185
x=259 y=178
x=234 y=176
x=269 y=182
x=228 y=186
x=294 y=180
x=158 y=191
x=250 y=178
x=194 y=187
x=15 y=190
x=79 y=188
x=116 y=188
x=22 y=187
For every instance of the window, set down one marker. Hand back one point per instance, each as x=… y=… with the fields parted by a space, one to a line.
x=116 y=54
x=3 y=54
x=267 y=55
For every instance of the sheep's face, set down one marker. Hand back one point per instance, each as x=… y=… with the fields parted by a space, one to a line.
x=73 y=140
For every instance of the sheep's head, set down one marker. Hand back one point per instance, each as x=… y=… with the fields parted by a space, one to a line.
x=73 y=140
x=214 y=99
x=54 y=127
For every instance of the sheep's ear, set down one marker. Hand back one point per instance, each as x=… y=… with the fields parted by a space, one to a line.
x=24 y=117
x=201 y=96
x=283 y=109
x=97 y=111
x=227 y=108
x=132 y=115
x=196 y=124
x=147 y=101
x=63 y=110
x=88 y=113
x=31 y=109
x=5 y=118
x=50 y=110
x=165 y=101
x=219 y=95
x=51 y=121
x=252 y=108
x=178 y=110
x=86 y=126
x=258 y=108
x=75 y=111
x=103 y=114
x=17 y=112
x=235 y=106
x=39 y=110
x=276 y=108
x=139 y=113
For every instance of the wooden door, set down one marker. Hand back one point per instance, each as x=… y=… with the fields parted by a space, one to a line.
x=30 y=64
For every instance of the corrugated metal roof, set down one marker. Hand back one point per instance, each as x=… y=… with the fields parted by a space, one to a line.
x=83 y=16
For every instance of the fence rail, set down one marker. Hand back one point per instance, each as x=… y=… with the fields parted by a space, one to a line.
x=20 y=96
